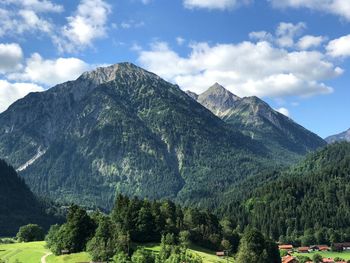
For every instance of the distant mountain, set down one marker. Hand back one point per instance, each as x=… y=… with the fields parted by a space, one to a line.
x=257 y=119
x=123 y=129
x=310 y=200
x=344 y=136
x=218 y=99
x=18 y=205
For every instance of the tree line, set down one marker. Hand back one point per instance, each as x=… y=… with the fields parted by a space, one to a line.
x=119 y=236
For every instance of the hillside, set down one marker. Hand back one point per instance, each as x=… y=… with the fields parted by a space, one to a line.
x=255 y=118
x=123 y=129
x=18 y=205
x=344 y=136
x=309 y=200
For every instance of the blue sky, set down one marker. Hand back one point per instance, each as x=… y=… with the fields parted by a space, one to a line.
x=295 y=54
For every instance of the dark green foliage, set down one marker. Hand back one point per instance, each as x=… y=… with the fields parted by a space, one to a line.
x=147 y=221
x=317 y=258
x=18 y=205
x=306 y=204
x=74 y=234
x=102 y=246
x=255 y=248
x=30 y=232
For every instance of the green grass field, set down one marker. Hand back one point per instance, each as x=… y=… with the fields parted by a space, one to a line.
x=33 y=251
x=207 y=255
x=23 y=252
x=78 y=257
x=327 y=254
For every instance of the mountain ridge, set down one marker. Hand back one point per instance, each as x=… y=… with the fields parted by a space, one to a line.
x=255 y=118
x=131 y=134
x=343 y=136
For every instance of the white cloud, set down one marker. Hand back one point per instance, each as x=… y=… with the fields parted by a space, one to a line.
x=246 y=68
x=36 y=5
x=10 y=57
x=307 y=42
x=180 y=41
x=26 y=16
x=339 y=47
x=87 y=25
x=336 y=7
x=284 y=111
x=214 y=4
x=50 y=72
x=261 y=35
x=286 y=32
x=285 y=36
x=131 y=24
x=10 y=92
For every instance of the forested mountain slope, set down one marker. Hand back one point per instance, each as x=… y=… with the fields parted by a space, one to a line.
x=18 y=205
x=308 y=198
x=123 y=129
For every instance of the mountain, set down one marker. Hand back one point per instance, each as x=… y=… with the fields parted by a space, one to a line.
x=309 y=201
x=217 y=99
x=344 y=136
x=255 y=118
x=18 y=205
x=121 y=129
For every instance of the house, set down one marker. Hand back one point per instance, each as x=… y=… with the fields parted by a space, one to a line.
x=320 y=248
x=304 y=249
x=289 y=259
x=328 y=260
x=286 y=247
x=220 y=253
x=323 y=248
x=341 y=246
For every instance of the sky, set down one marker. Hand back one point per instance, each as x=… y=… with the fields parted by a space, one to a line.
x=294 y=54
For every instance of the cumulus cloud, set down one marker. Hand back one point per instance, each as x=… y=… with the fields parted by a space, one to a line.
x=336 y=7
x=85 y=26
x=339 y=47
x=10 y=92
x=286 y=32
x=26 y=16
x=50 y=72
x=10 y=57
x=247 y=68
x=307 y=42
x=214 y=4
x=284 y=111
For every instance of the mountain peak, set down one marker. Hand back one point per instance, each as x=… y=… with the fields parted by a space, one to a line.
x=109 y=73
x=217 y=99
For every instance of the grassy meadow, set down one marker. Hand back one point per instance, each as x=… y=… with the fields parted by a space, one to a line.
x=327 y=254
x=33 y=251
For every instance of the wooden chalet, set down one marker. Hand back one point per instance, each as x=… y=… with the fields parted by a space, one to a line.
x=285 y=247
x=289 y=259
x=303 y=249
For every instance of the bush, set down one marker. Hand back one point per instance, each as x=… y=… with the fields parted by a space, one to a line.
x=29 y=233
